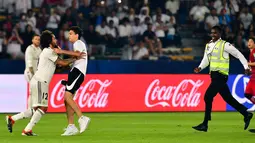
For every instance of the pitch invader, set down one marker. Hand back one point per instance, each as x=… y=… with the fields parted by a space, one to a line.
x=75 y=79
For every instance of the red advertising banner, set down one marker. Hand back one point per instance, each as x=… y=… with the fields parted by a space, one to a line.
x=136 y=93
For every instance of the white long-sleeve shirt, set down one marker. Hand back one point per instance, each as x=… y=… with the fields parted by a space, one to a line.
x=32 y=56
x=228 y=49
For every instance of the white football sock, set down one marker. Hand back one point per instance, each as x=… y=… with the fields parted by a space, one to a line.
x=22 y=115
x=35 y=119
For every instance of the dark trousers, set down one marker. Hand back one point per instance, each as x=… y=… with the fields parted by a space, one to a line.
x=219 y=85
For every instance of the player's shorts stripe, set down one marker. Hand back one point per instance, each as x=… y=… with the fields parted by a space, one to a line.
x=39 y=92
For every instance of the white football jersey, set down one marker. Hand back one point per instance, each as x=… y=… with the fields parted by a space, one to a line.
x=32 y=56
x=46 y=66
x=81 y=64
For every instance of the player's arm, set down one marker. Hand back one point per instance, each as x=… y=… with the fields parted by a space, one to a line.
x=29 y=59
x=229 y=48
x=204 y=63
x=64 y=62
x=60 y=69
x=69 y=53
x=251 y=64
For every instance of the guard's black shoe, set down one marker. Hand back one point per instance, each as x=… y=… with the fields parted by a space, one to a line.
x=201 y=127
x=247 y=120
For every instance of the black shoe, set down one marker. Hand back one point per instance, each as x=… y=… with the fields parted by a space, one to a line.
x=64 y=82
x=10 y=123
x=247 y=120
x=201 y=127
x=252 y=130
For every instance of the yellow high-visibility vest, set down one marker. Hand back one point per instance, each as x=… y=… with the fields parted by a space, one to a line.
x=217 y=61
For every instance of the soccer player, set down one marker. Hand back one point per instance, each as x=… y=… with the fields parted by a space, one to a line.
x=39 y=83
x=32 y=54
x=75 y=79
x=31 y=59
x=250 y=88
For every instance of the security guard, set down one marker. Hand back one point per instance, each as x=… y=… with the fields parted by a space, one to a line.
x=217 y=55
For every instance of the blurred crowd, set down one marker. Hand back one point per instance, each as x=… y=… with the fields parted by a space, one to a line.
x=236 y=17
x=131 y=29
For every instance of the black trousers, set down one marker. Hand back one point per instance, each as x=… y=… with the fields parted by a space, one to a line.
x=219 y=85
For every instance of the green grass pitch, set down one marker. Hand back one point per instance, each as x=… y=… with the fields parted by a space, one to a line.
x=225 y=127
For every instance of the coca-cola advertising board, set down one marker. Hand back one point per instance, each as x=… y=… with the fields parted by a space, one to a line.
x=136 y=93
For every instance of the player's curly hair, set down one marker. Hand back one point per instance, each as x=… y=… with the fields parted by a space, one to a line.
x=46 y=38
x=252 y=38
x=76 y=30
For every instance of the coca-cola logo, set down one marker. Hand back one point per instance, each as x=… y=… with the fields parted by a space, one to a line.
x=185 y=94
x=92 y=94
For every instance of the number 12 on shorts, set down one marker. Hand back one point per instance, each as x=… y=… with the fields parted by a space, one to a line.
x=45 y=96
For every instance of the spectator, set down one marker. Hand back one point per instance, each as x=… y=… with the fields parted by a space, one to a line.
x=82 y=22
x=37 y=3
x=144 y=26
x=23 y=22
x=154 y=43
x=68 y=18
x=211 y=20
x=42 y=19
x=91 y=38
x=8 y=24
x=137 y=30
x=27 y=36
x=197 y=13
x=246 y=18
x=14 y=43
x=22 y=6
x=121 y=11
x=111 y=31
x=140 y=51
x=225 y=19
x=102 y=31
x=114 y=18
x=124 y=32
x=61 y=8
x=161 y=29
x=173 y=6
x=53 y=22
x=163 y=17
x=70 y=3
x=217 y=4
x=112 y=34
x=143 y=14
x=234 y=7
x=102 y=28
x=224 y=6
x=132 y=15
x=63 y=40
x=85 y=9
x=228 y=35
x=74 y=8
x=31 y=18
